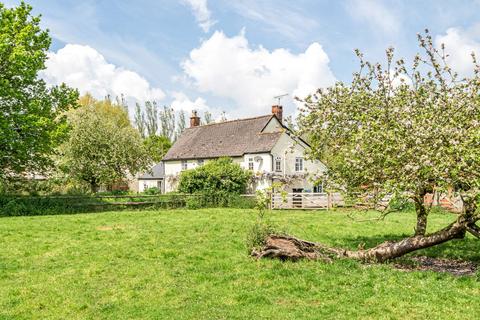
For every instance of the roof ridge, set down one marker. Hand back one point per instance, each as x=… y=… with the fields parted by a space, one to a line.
x=235 y=120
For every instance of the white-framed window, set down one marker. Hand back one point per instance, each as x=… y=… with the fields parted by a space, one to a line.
x=184 y=165
x=250 y=164
x=278 y=164
x=318 y=188
x=159 y=184
x=200 y=162
x=298 y=164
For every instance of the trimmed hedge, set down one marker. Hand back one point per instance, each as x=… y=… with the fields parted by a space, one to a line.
x=15 y=205
x=51 y=205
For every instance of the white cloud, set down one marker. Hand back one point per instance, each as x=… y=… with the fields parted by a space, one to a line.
x=376 y=13
x=202 y=13
x=181 y=102
x=85 y=68
x=251 y=77
x=459 y=44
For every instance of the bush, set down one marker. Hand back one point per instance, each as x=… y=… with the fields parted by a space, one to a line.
x=219 y=200
x=152 y=191
x=216 y=176
x=218 y=183
x=13 y=208
x=258 y=234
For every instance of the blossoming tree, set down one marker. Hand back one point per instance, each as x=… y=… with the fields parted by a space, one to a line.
x=402 y=131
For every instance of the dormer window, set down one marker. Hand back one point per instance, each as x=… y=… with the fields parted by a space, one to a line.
x=278 y=164
x=298 y=164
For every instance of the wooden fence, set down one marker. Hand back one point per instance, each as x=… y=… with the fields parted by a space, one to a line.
x=307 y=200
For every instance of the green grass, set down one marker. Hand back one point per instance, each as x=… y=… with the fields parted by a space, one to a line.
x=183 y=264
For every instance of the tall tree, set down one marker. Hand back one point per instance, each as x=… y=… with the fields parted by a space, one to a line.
x=31 y=121
x=103 y=147
x=207 y=117
x=121 y=101
x=402 y=131
x=181 y=124
x=223 y=117
x=167 y=123
x=151 y=111
x=139 y=120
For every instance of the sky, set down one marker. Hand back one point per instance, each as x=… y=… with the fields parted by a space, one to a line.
x=236 y=56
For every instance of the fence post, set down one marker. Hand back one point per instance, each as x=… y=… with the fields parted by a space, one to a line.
x=329 y=200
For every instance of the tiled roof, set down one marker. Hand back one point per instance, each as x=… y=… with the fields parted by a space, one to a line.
x=225 y=139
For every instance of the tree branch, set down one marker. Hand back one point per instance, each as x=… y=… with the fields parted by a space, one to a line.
x=474 y=230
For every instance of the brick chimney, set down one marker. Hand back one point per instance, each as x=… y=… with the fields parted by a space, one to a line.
x=194 y=119
x=277 y=110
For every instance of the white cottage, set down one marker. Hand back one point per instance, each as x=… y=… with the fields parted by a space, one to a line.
x=154 y=178
x=261 y=144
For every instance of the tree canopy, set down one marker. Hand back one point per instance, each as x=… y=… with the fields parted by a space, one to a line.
x=103 y=147
x=31 y=122
x=402 y=131
x=157 y=147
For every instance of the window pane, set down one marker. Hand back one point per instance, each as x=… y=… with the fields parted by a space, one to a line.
x=298 y=164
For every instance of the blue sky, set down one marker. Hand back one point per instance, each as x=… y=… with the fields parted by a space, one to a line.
x=234 y=56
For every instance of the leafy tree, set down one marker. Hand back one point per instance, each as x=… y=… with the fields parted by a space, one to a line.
x=121 y=101
x=207 y=117
x=216 y=176
x=167 y=123
x=157 y=147
x=223 y=117
x=151 y=111
x=139 y=120
x=31 y=125
x=103 y=147
x=402 y=131
x=181 y=124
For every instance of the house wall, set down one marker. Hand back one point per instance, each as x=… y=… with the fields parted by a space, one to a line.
x=173 y=168
x=273 y=126
x=288 y=150
x=144 y=184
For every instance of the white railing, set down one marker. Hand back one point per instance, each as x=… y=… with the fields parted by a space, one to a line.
x=307 y=200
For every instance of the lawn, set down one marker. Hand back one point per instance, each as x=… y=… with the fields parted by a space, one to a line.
x=186 y=264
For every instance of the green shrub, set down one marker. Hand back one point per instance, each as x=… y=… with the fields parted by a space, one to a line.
x=258 y=234
x=14 y=208
x=152 y=191
x=216 y=176
x=194 y=203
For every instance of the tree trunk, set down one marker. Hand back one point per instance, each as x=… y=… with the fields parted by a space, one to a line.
x=94 y=187
x=422 y=215
x=289 y=248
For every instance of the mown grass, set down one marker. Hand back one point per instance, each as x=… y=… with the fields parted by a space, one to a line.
x=193 y=264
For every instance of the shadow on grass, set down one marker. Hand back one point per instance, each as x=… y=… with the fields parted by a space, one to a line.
x=462 y=249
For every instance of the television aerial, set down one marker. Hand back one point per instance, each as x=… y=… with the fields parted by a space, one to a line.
x=279 y=97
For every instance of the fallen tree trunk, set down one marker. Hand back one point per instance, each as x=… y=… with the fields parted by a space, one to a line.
x=290 y=248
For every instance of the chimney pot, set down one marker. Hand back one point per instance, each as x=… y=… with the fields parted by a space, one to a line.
x=194 y=119
x=277 y=110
